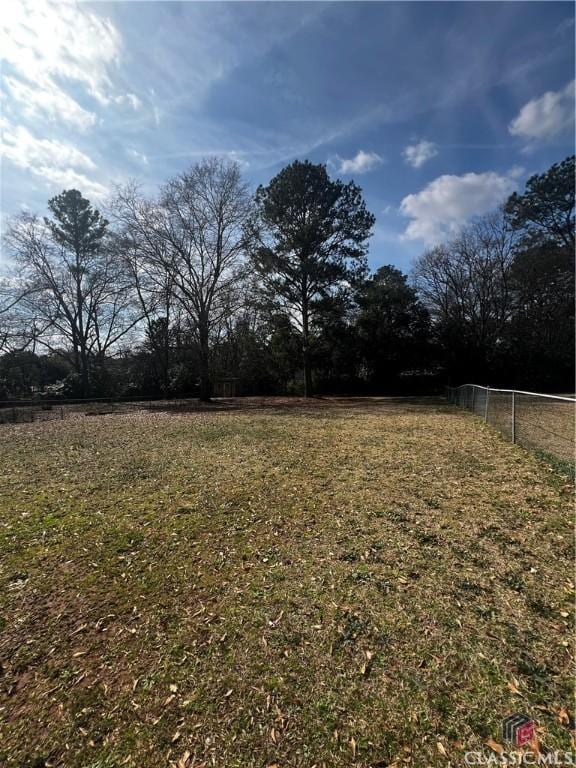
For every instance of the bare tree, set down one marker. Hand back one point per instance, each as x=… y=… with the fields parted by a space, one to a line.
x=152 y=290
x=466 y=284
x=12 y=334
x=192 y=238
x=75 y=292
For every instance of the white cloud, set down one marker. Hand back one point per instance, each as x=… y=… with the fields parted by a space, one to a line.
x=547 y=116
x=133 y=100
x=47 y=99
x=129 y=98
x=24 y=149
x=140 y=156
x=516 y=172
x=417 y=154
x=446 y=203
x=68 y=178
x=49 y=45
x=59 y=164
x=361 y=163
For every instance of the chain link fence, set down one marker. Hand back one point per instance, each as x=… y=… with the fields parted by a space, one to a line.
x=28 y=411
x=535 y=421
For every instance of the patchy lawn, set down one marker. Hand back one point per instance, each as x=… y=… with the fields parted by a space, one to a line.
x=360 y=584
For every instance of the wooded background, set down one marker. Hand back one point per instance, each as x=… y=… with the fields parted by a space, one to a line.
x=206 y=281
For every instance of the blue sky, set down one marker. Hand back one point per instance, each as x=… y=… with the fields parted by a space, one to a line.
x=438 y=110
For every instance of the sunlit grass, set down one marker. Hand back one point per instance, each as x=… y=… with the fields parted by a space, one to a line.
x=337 y=586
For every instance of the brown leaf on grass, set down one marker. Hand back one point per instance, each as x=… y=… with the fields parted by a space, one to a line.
x=494 y=746
x=184 y=761
x=563 y=716
x=176 y=737
x=441 y=748
x=352 y=743
x=534 y=745
x=513 y=686
x=459 y=745
x=367 y=665
x=314 y=674
x=277 y=620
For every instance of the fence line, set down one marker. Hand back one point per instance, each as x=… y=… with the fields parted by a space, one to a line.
x=534 y=420
x=27 y=411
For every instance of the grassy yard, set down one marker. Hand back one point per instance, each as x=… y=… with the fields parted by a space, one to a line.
x=363 y=584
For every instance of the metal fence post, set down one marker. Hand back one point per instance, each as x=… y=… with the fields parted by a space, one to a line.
x=513 y=416
x=545 y=421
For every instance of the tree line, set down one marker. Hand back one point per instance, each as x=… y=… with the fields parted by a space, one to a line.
x=205 y=283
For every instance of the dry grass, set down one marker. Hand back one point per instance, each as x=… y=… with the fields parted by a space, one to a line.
x=348 y=585
x=542 y=423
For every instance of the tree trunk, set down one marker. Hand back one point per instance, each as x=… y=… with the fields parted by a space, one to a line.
x=306 y=352
x=84 y=377
x=307 y=371
x=163 y=354
x=166 y=372
x=205 y=384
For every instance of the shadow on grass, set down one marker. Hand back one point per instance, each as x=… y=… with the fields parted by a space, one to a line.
x=306 y=405
x=560 y=465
